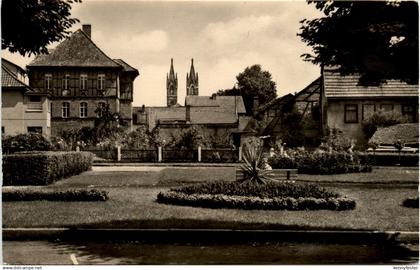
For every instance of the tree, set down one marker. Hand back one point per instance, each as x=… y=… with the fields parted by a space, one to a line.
x=378 y=39
x=253 y=82
x=28 y=26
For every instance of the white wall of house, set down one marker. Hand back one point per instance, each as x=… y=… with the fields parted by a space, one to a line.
x=19 y=114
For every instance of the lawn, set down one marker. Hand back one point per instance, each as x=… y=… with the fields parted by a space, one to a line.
x=132 y=204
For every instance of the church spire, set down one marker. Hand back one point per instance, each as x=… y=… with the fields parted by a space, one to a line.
x=171 y=86
x=192 y=81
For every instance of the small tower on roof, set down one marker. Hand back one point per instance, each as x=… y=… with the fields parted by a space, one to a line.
x=171 y=86
x=192 y=81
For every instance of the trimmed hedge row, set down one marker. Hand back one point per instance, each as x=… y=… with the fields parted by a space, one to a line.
x=245 y=202
x=411 y=202
x=320 y=162
x=53 y=195
x=389 y=159
x=43 y=168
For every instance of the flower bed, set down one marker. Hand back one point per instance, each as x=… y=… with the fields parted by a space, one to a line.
x=269 y=196
x=54 y=195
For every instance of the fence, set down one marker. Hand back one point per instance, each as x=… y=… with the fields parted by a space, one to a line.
x=220 y=155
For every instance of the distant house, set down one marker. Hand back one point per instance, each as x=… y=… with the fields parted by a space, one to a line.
x=79 y=77
x=305 y=103
x=346 y=103
x=23 y=109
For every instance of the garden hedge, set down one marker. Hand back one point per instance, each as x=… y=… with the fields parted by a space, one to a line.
x=246 y=202
x=320 y=162
x=43 y=168
x=55 y=195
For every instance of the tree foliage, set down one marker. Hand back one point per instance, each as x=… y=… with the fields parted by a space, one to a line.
x=253 y=82
x=29 y=26
x=378 y=39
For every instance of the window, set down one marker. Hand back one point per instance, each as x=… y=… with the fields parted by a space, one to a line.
x=34 y=103
x=66 y=81
x=368 y=110
x=83 y=109
x=350 y=113
x=410 y=112
x=387 y=107
x=101 y=106
x=101 y=81
x=65 y=110
x=35 y=130
x=83 y=82
x=34 y=98
x=48 y=81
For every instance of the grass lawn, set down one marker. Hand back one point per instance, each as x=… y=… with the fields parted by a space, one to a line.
x=132 y=204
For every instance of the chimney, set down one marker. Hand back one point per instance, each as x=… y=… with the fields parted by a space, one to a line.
x=87 y=28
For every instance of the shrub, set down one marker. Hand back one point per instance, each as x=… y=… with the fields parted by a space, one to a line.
x=320 y=162
x=411 y=202
x=268 y=190
x=254 y=163
x=246 y=202
x=382 y=119
x=55 y=195
x=42 y=168
x=25 y=142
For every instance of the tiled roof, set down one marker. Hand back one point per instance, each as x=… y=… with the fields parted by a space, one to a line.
x=9 y=80
x=278 y=101
x=407 y=133
x=227 y=103
x=126 y=67
x=338 y=86
x=76 y=51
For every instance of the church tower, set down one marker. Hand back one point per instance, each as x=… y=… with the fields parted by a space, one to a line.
x=171 y=86
x=192 y=81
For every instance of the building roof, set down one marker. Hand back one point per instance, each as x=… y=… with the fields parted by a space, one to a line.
x=280 y=101
x=78 y=50
x=13 y=66
x=226 y=103
x=407 y=133
x=126 y=67
x=9 y=80
x=339 y=86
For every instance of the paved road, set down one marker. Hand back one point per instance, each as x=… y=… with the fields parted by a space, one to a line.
x=43 y=252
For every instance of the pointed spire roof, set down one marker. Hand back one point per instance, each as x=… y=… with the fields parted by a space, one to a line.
x=172 y=74
x=192 y=75
x=76 y=51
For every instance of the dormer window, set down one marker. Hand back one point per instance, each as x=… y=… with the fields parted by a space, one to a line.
x=48 y=81
x=83 y=82
x=101 y=81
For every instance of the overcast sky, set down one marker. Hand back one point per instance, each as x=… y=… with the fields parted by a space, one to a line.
x=222 y=37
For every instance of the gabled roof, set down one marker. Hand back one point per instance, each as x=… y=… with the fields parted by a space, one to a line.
x=407 y=133
x=76 y=51
x=126 y=67
x=278 y=101
x=339 y=86
x=308 y=93
x=9 y=80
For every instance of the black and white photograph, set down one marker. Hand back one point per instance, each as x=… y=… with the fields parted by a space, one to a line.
x=210 y=133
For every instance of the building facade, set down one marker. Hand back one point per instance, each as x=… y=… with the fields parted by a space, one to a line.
x=23 y=108
x=346 y=103
x=79 y=78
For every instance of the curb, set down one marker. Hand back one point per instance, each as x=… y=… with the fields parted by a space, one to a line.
x=118 y=164
x=212 y=235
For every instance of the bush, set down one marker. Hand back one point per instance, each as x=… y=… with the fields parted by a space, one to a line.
x=242 y=202
x=54 y=195
x=42 y=168
x=25 y=142
x=389 y=159
x=411 y=202
x=320 y=162
x=382 y=119
x=268 y=190
x=269 y=196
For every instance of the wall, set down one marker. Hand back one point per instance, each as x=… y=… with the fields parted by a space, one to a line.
x=335 y=114
x=16 y=117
